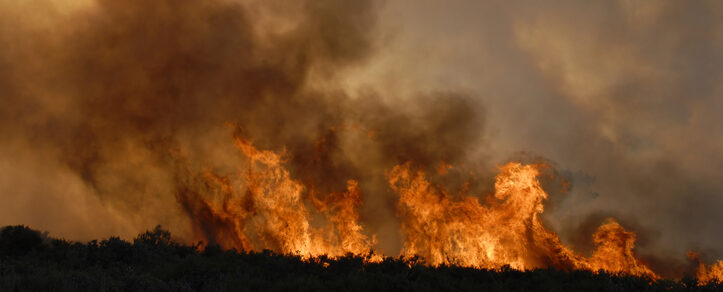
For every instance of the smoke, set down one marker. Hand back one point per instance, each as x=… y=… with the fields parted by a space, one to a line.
x=623 y=96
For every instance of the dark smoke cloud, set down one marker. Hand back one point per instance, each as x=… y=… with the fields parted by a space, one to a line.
x=131 y=99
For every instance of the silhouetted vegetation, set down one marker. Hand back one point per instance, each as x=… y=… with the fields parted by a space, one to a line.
x=31 y=261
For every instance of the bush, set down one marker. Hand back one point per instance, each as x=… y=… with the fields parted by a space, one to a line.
x=19 y=240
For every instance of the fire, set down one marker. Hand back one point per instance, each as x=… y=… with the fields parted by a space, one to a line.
x=712 y=273
x=707 y=273
x=614 y=252
x=444 y=229
x=267 y=210
x=447 y=230
x=263 y=207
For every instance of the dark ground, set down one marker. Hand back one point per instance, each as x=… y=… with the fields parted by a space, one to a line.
x=31 y=261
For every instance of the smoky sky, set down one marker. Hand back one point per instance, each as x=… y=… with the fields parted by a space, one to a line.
x=101 y=101
x=624 y=97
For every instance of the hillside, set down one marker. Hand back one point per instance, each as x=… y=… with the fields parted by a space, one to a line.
x=31 y=261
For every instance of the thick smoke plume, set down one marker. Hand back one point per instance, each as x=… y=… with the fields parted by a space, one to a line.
x=114 y=96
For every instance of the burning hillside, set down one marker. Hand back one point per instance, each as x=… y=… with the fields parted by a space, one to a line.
x=348 y=140
x=263 y=208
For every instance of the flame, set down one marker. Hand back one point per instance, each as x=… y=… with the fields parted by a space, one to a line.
x=444 y=229
x=712 y=273
x=460 y=231
x=263 y=207
x=268 y=211
x=614 y=252
x=707 y=273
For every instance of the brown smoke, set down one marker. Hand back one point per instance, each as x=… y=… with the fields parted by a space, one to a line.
x=115 y=93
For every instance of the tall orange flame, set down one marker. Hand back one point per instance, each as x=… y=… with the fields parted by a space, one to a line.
x=459 y=230
x=268 y=211
x=614 y=252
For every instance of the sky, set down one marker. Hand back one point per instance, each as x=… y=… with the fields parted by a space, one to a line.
x=624 y=97
x=99 y=99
